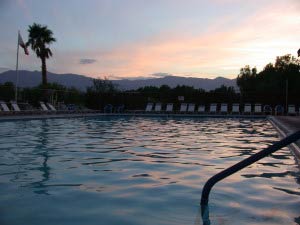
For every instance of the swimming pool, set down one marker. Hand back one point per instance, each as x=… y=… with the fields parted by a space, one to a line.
x=114 y=170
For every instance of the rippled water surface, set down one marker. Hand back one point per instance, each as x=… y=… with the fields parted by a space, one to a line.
x=144 y=171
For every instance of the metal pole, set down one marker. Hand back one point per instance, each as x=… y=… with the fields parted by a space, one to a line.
x=246 y=162
x=17 y=70
x=286 y=95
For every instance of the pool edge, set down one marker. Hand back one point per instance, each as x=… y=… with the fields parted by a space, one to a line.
x=284 y=131
x=164 y=115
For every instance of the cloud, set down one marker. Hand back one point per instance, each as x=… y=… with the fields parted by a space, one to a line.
x=221 y=51
x=112 y=77
x=229 y=43
x=161 y=75
x=87 y=61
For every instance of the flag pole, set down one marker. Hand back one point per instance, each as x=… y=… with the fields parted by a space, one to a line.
x=17 y=70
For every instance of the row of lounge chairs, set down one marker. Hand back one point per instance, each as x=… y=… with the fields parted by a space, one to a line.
x=15 y=107
x=44 y=108
x=169 y=108
x=223 y=109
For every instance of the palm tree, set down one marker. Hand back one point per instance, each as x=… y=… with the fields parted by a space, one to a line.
x=39 y=38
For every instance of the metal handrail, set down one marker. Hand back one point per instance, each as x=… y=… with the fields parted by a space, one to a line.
x=244 y=163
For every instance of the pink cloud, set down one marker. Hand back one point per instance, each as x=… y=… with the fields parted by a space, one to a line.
x=221 y=50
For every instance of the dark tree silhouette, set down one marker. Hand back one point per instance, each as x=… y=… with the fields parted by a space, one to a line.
x=269 y=85
x=299 y=52
x=39 y=38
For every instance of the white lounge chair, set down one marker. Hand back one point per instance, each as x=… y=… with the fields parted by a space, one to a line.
x=43 y=106
x=267 y=109
x=15 y=106
x=169 y=107
x=257 y=108
x=201 y=109
x=291 y=110
x=191 y=108
x=149 y=107
x=183 y=107
x=213 y=108
x=51 y=107
x=157 y=107
x=4 y=106
x=247 y=108
x=224 y=108
x=235 y=108
x=279 y=110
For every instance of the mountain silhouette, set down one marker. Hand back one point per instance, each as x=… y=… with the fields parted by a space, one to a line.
x=33 y=78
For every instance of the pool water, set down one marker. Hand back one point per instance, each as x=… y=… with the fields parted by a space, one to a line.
x=131 y=171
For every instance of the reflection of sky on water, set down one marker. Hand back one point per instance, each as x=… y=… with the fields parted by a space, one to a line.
x=143 y=171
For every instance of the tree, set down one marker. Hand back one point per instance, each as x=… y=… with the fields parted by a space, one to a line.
x=269 y=85
x=39 y=38
x=224 y=90
x=7 y=91
x=102 y=92
x=246 y=80
x=103 y=86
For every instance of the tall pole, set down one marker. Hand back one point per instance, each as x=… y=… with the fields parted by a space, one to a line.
x=286 y=94
x=17 y=70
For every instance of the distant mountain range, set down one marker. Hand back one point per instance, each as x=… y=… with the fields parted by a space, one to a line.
x=33 y=78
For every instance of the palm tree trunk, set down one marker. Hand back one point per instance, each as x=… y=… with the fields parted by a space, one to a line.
x=44 y=79
x=44 y=72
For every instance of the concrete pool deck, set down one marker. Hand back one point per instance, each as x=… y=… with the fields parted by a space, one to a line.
x=132 y=114
x=286 y=125
x=47 y=116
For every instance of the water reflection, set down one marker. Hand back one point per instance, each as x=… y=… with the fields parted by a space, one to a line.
x=41 y=150
x=143 y=171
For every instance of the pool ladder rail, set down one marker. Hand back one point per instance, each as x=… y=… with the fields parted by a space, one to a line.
x=244 y=163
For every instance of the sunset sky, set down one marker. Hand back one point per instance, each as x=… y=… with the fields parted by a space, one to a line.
x=151 y=38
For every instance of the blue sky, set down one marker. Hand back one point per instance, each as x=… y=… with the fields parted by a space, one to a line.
x=141 y=38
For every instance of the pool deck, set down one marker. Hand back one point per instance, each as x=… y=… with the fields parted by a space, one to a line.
x=47 y=116
x=286 y=125
x=57 y=115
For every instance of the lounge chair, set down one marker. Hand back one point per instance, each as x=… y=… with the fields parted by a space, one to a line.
x=267 y=109
x=247 y=108
x=62 y=106
x=183 y=107
x=213 y=108
x=279 y=110
x=224 y=108
x=149 y=107
x=191 y=108
x=43 y=106
x=235 y=108
x=15 y=106
x=169 y=107
x=201 y=109
x=291 y=110
x=108 y=108
x=119 y=108
x=157 y=107
x=51 y=107
x=4 y=106
x=257 y=108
